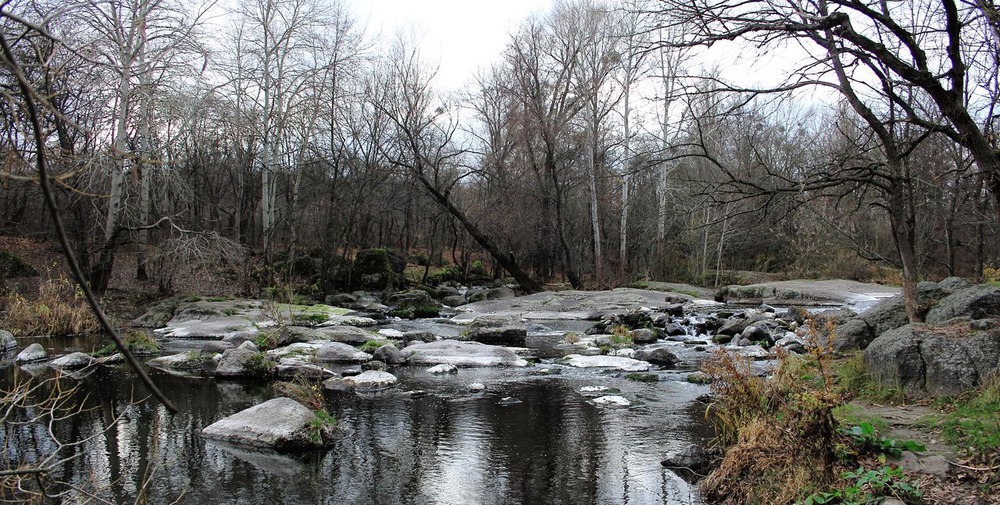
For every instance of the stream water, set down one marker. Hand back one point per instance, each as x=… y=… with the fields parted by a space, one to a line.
x=429 y=441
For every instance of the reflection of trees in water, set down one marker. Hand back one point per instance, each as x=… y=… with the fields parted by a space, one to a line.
x=395 y=447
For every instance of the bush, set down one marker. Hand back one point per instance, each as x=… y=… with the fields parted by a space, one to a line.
x=258 y=365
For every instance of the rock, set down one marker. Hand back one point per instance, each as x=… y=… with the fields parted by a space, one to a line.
x=733 y=326
x=72 y=361
x=644 y=336
x=890 y=313
x=797 y=314
x=418 y=336
x=414 y=303
x=720 y=338
x=32 y=353
x=237 y=339
x=500 y=293
x=13 y=266
x=693 y=458
x=375 y=365
x=508 y=400
x=952 y=284
x=791 y=343
x=377 y=269
x=496 y=330
x=454 y=300
x=977 y=302
x=675 y=309
x=853 y=334
x=699 y=378
x=458 y=353
x=7 y=341
x=184 y=361
x=835 y=317
x=476 y=387
x=936 y=361
x=299 y=353
x=160 y=314
x=301 y=371
x=674 y=330
x=658 y=355
x=244 y=361
x=219 y=346
x=755 y=352
x=343 y=334
x=758 y=333
x=612 y=401
x=389 y=355
x=338 y=352
x=280 y=423
x=369 y=379
x=594 y=389
x=442 y=369
x=615 y=362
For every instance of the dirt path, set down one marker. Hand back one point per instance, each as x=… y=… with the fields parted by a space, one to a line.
x=937 y=470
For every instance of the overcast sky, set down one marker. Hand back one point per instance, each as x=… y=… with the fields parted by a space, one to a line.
x=461 y=36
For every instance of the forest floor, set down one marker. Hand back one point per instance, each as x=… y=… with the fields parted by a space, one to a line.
x=941 y=473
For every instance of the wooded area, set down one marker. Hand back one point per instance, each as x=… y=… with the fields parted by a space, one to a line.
x=609 y=142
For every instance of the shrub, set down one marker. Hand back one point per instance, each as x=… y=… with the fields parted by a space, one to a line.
x=321 y=427
x=258 y=365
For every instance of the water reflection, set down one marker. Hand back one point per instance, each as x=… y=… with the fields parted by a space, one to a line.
x=442 y=446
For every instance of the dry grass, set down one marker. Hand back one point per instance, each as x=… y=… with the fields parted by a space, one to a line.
x=59 y=309
x=779 y=432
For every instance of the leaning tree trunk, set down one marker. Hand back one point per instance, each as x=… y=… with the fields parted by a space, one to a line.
x=506 y=261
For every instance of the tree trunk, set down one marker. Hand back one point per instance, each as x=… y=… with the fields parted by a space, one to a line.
x=507 y=261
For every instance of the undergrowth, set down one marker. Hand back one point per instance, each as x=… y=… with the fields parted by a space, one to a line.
x=60 y=309
x=783 y=442
x=971 y=423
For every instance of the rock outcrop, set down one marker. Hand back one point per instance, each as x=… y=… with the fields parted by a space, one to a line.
x=281 y=424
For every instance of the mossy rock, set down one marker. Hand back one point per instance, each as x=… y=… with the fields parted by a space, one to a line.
x=377 y=269
x=13 y=266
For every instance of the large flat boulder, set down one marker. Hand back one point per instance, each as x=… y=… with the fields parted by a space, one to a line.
x=463 y=354
x=934 y=360
x=976 y=302
x=495 y=329
x=281 y=424
x=613 y=362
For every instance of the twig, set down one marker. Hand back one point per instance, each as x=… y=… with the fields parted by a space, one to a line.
x=975 y=469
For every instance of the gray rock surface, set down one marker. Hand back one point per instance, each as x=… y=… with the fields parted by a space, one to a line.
x=369 y=379
x=234 y=362
x=345 y=334
x=496 y=330
x=614 y=362
x=933 y=360
x=7 y=341
x=389 y=355
x=32 y=353
x=464 y=354
x=657 y=355
x=852 y=334
x=644 y=336
x=184 y=361
x=72 y=361
x=280 y=423
x=442 y=369
x=337 y=352
x=977 y=302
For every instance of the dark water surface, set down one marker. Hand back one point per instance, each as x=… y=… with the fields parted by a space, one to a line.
x=430 y=441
